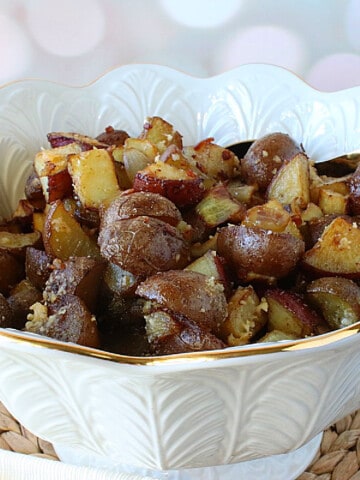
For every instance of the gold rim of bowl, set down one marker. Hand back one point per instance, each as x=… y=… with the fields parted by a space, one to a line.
x=202 y=356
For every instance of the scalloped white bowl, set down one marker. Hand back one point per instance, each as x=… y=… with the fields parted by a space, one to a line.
x=194 y=410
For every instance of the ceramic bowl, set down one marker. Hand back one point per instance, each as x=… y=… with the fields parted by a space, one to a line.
x=205 y=415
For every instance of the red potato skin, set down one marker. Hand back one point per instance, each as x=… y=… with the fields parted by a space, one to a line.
x=187 y=337
x=144 y=245
x=183 y=193
x=257 y=251
x=265 y=156
x=134 y=204
x=297 y=306
x=191 y=294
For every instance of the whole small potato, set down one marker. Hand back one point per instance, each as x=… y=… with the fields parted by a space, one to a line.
x=260 y=254
x=265 y=157
x=141 y=203
x=196 y=296
x=143 y=245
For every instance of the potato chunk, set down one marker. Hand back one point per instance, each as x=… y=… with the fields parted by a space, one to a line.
x=196 y=296
x=337 y=251
x=337 y=299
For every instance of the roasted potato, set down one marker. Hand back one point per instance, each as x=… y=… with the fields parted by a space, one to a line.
x=265 y=157
x=67 y=320
x=354 y=192
x=168 y=333
x=144 y=245
x=289 y=313
x=160 y=133
x=182 y=186
x=246 y=317
x=336 y=252
x=21 y=297
x=135 y=204
x=37 y=267
x=80 y=276
x=63 y=236
x=337 y=299
x=6 y=314
x=258 y=254
x=12 y=270
x=112 y=136
x=193 y=295
x=215 y=162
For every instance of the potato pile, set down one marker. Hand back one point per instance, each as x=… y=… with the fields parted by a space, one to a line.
x=144 y=246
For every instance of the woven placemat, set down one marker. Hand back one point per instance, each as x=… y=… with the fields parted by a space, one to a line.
x=338 y=457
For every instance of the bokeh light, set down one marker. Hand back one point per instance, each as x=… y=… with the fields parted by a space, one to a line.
x=201 y=13
x=335 y=72
x=262 y=44
x=70 y=29
x=15 y=53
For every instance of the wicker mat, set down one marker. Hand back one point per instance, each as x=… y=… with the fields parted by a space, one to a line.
x=337 y=459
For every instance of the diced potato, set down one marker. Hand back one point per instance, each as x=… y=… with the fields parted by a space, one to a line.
x=337 y=251
x=215 y=161
x=183 y=187
x=290 y=314
x=337 y=299
x=218 y=207
x=246 y=317
x=160 y=133
x=94 y=177
x=292 y=181
x=63 y=236
x=331 y=201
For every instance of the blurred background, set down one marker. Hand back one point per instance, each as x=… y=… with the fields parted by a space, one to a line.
x=75 y=41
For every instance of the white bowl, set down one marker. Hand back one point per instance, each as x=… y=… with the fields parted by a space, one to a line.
x=189 y=411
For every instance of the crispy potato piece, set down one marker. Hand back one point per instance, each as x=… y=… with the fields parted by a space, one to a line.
x=17 y=243
x=277 y=336
x=257 y=254
x=160 y=133
x=191 y=294
x=112 y=136
x=21 y=297
x=336 y=252
x=265 y=156
x=337 y=299
x=183 y=187
x=212 y=265
x=67 y=320
x=289 y=313
x=60 y=139
x=63 y=237
x=51 y=166
x=332 y=202
x=94 y=178
x=246 y=317
x=291 y=182
x=218 y=206
x=269 y=216
x=169 y=334
x=216 y=162
x=80 y=276
x=34 y=192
